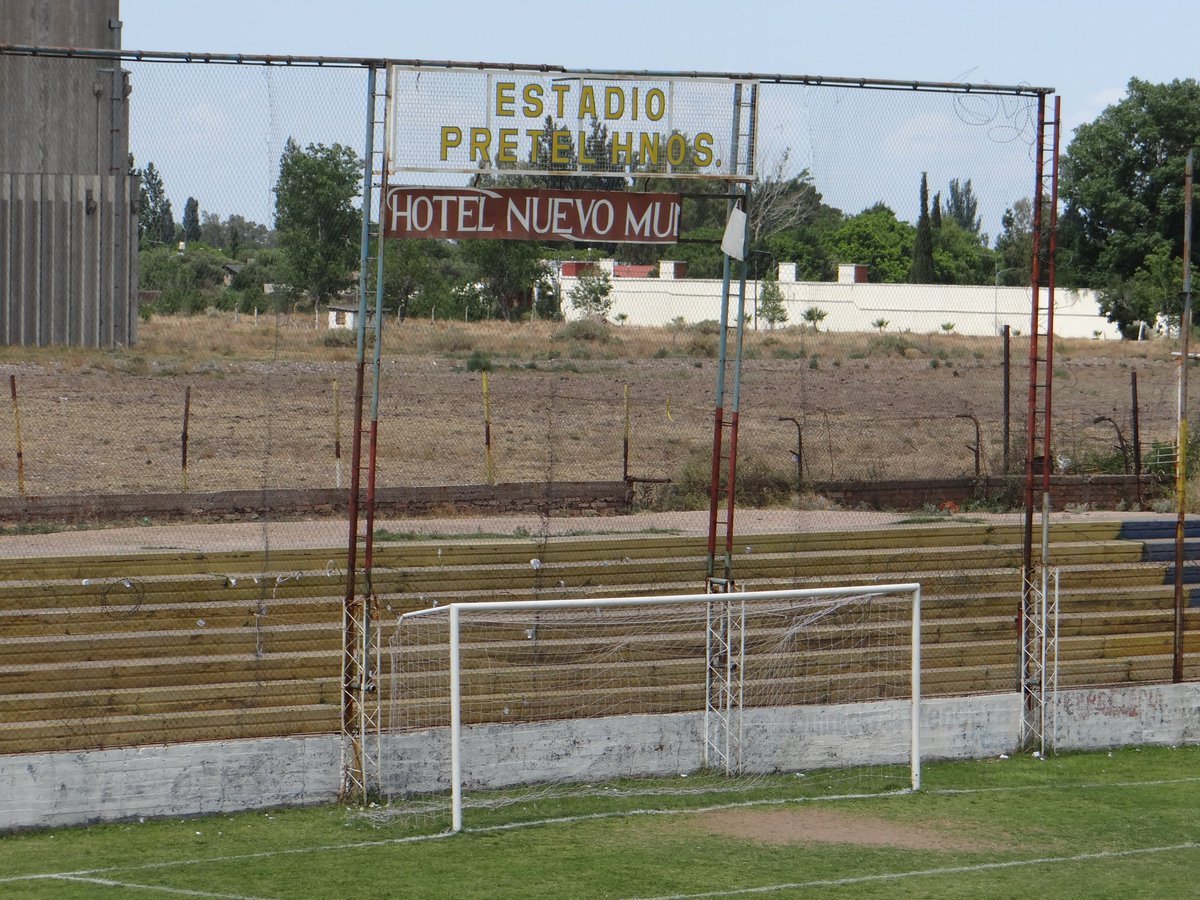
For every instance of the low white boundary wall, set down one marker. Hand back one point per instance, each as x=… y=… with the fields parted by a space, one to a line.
x=54 y=789
x=978 y=310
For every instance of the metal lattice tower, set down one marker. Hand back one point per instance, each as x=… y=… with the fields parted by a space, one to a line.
x=1039 y=460
x=361 y=709
x=1039 y=662
x=725 y=655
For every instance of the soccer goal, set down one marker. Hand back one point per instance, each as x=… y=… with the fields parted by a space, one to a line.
x=495 y=703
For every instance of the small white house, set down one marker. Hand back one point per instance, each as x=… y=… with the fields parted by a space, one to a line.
x=345 y=316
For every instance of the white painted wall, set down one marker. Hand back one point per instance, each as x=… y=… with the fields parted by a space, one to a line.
x=342 y=318
x=920 y=308
x=49 y=789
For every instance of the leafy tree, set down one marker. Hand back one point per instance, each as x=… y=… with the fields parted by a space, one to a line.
x=419 y=276
x=191 y=220
x=212 y=231
x=771 y=308
x=962 y=208
x=246 y=292
x=188 y=282
x=1014 y=245
x=315 y=220
x=592 y=294
x=166 y=225
x=802 y=246
x=877 y=239
x=704 y=260
x=1154 y=290
x=935 y=212
x=959 y=257
x=156 y=224
x=779 y=203
x=598 y=159
x=506 y=273
x=235 y=239
x=1122 y=183
x=235 y=234
x=921 y=271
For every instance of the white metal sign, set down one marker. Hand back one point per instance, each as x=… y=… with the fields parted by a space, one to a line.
x=532 y=122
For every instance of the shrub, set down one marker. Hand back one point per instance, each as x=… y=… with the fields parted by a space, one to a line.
x=345 y=337
x=702 y=345
x=889 y=345
x=814 y=315
x=592 y=294
x=758 y=485
x=340 y=337
x=585 y=330
x=452 y=340
x=479 y=361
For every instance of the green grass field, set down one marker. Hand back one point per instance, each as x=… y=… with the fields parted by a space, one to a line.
x=1118 y=824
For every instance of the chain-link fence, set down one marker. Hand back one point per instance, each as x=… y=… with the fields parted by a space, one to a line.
x=887 y=380
x=859 y=391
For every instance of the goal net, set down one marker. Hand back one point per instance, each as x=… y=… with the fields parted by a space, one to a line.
x=617 y=700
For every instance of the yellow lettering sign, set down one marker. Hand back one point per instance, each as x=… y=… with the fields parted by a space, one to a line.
x=451 y=137
x=505 y=98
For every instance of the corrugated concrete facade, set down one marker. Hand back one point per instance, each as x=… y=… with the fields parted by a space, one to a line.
x=68 y=260
x=68 y=203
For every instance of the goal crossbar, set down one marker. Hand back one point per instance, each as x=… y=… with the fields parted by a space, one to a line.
x=453 y=613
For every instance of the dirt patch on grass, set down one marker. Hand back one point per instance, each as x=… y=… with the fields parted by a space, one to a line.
x=823 y=826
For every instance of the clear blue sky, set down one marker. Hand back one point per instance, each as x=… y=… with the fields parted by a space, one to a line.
x=1087 y=51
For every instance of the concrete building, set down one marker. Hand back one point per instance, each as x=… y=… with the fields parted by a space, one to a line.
x=68 y=202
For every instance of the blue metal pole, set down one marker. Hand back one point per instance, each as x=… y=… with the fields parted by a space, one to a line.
x=365 y=235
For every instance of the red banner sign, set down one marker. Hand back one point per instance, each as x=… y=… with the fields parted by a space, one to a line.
x=521 y=214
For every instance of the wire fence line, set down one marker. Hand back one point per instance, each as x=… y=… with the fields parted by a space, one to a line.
x=265 y=372
x=236 y=383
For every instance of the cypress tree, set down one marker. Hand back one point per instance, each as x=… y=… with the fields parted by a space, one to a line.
x=921 y=271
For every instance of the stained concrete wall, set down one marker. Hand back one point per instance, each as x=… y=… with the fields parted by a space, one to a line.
x=68 y=203
x=52 y=789
x=49 y=789
x=60 y=114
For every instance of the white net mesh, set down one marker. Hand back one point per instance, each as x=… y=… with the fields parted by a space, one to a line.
x=633 y=699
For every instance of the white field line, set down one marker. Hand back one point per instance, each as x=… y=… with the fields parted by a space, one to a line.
x=929 y=873
x=153 y=888
x=568 y=820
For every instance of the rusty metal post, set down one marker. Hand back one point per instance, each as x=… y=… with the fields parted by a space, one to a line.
x=489 y=462
x=12 y=383
x=1135 y=421
x=1181 y=452
x=799 y=451
x=337 y=435
x=187 y=414
x=1048 y=384
x=978 y=441
x=1034 y=315
x=1006 y=401
x=625 y=440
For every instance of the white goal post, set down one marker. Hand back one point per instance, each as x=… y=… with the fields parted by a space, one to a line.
x=591 y=690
